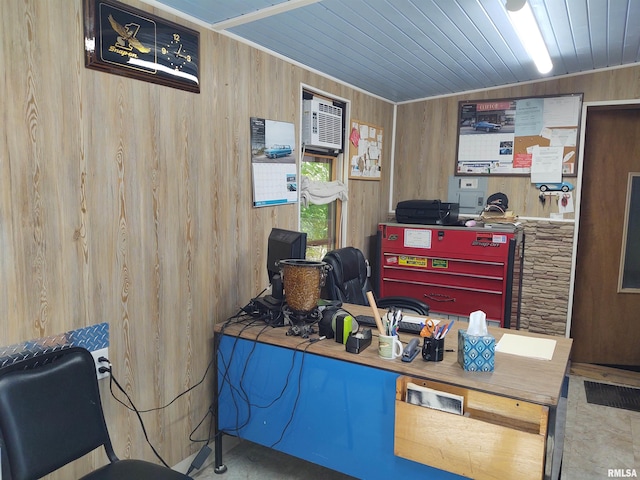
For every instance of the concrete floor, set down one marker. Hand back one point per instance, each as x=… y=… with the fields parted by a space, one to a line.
x=597 y=439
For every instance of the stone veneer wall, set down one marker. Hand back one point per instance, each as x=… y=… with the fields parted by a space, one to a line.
x=546 y=276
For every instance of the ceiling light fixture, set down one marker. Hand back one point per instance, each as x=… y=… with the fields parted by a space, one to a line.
x=527 y=29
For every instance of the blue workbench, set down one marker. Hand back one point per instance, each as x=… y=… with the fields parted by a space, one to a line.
x=317 y=402
x=330 y=412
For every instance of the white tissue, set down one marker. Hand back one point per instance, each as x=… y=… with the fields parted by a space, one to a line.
x=477 y=324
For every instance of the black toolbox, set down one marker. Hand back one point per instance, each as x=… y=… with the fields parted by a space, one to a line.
x=427 y=212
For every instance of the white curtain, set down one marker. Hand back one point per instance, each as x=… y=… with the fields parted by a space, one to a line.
x=321 y=193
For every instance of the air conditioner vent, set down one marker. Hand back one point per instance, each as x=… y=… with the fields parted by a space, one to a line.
x=331 y=109
x=321 y=125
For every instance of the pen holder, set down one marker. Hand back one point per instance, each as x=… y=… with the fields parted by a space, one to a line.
x=433 y=349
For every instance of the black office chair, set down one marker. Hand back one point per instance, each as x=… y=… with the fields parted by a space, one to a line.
x=51 y=414
x=347 y=281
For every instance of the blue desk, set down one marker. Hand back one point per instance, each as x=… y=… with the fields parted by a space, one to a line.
x=319 y=403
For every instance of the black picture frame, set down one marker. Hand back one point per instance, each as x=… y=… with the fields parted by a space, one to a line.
x=495 y=136
x=126 y=41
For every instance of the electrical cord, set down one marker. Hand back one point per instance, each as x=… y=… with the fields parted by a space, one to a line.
x=205 y=450
x=113 y=380
x=310 y=341
x=247 y=316
x=103 y=359
x=237 y=391
x=210 y=414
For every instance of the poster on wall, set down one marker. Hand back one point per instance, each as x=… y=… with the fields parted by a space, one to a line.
x=535 y=136
x=365 y=150
x=273 y=162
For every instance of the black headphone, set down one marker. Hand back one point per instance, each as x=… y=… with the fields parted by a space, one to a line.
x=330 y=315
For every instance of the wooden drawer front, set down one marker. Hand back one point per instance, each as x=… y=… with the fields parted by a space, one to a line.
x=497 y=438
x=449 y=299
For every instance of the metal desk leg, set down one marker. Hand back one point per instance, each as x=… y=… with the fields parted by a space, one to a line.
x=556 y=432
x=219 y=467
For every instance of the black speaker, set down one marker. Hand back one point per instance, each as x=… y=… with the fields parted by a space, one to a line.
x=342 y=327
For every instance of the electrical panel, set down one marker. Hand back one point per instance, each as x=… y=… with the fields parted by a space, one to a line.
x=469 y=192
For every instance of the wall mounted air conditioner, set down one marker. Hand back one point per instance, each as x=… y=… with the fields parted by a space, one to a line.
x=321 y=125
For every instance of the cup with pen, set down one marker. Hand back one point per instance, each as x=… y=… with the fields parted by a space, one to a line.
x=389 y=345
x=433 y=347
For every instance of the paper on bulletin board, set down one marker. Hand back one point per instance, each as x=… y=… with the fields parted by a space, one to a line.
x=546 y=164
x=365 y=151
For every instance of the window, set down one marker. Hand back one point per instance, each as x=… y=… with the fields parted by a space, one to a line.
x=629 y=278
x=320 y=222
x=323 y=127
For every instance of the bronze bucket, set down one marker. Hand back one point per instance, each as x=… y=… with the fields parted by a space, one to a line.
x=303 y=280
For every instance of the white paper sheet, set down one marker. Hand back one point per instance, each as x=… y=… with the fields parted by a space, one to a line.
x=546 y=164
x=540 y=348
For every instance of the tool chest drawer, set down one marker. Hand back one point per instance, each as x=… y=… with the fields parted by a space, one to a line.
x=450 y=299
x=456 y=270
x=487 y=277
x=495 y=438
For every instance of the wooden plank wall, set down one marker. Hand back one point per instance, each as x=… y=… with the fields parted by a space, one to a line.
x=426 y=140
x=130 y=203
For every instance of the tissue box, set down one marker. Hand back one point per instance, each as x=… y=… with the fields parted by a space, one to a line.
x=476 y=353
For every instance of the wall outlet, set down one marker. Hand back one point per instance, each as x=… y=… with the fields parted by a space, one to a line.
x=103 y=352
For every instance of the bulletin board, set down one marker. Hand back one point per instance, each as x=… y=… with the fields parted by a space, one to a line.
x=365 y=151
x=532 y=136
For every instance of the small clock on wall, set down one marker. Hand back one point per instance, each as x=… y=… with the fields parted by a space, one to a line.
x=126 y=41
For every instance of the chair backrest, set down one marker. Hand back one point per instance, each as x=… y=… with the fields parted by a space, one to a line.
x=347 y=279
x=50 y=413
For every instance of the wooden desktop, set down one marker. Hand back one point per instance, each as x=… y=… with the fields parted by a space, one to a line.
x=347 y=411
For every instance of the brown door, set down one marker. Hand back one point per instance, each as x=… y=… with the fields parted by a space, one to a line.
x=605 y=324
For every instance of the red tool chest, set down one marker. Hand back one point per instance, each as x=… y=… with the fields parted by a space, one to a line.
x=455 y=270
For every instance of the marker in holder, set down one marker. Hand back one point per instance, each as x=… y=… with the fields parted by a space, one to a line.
x=433 y=349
